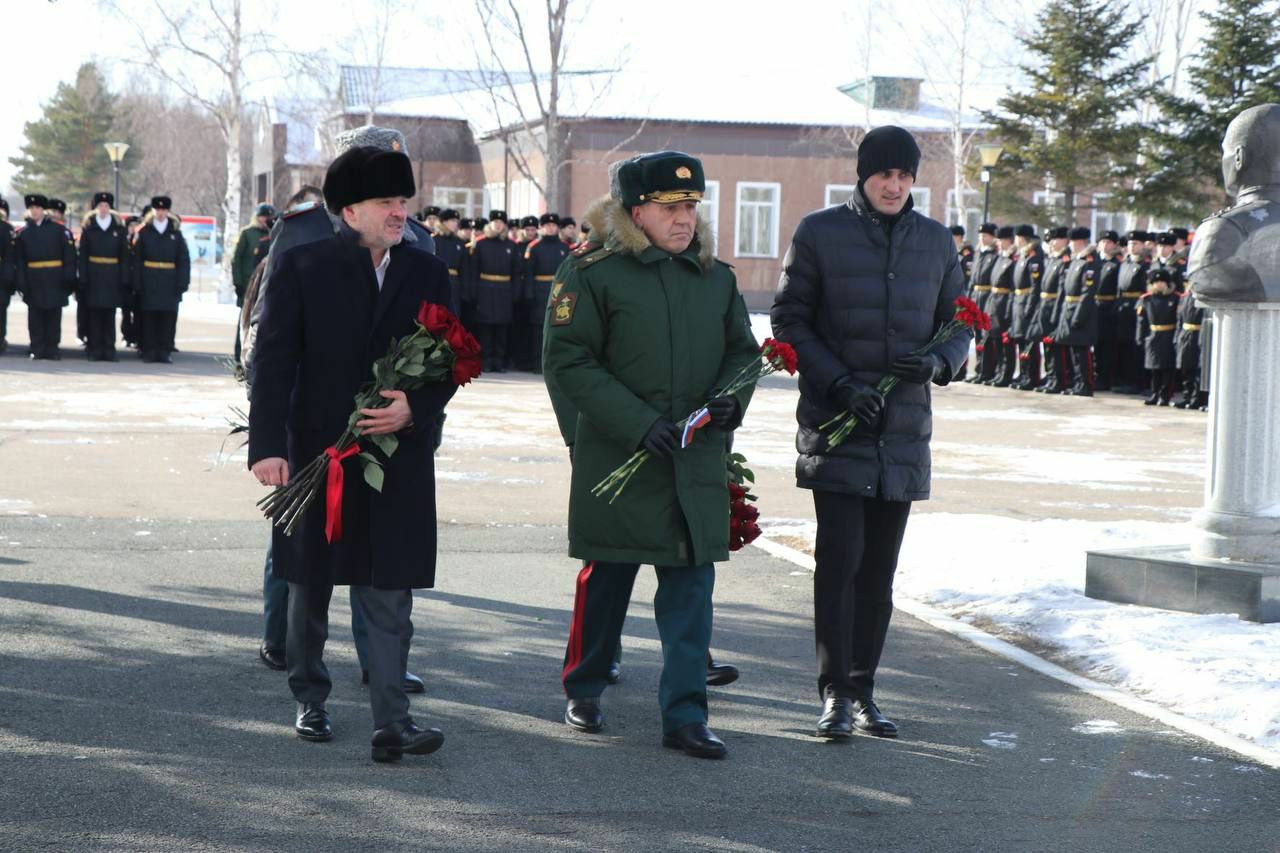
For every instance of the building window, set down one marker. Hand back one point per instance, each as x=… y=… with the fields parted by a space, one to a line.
x=923 y=197
x=756 y=222
x=525 y=198
x=466 y=201
x=495 y=198
x=262 y=187
x=837 y=194
x=969 y=214
x=1107 y=220
x=710 y=208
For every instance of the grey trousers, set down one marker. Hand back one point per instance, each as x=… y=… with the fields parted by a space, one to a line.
x=386 y=613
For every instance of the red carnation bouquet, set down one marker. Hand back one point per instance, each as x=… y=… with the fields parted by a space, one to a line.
x=968 y=317
x=775 y=356
x=744 y=518
x=438 y=350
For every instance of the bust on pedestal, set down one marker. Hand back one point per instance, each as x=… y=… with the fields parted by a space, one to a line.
x=1233 y=563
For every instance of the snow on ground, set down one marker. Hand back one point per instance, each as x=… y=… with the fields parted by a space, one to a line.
x=1025 y=579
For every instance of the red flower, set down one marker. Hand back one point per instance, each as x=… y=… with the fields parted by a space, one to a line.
x=1048 y=339
x=968 y=313
x=736 y=492
x=1004 y=337
x=781 y=356
x=750 y=533
x=466 y=354
x=436 y=319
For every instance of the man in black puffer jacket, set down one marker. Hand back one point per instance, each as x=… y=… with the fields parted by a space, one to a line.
x=864 y=286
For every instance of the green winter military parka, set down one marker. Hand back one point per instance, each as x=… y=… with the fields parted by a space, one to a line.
x=633 y=334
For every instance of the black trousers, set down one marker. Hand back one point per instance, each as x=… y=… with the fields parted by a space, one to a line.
x=129 y=326
x=1028 y=367
x=1107 y=349
x=1163 y=380
x=5 y=296
x=101 y=330
x=1006 y=361
x=1082 y=369
x=390 y=630
x=857 y=555
x=493 y=344
x=989 y=357
x=1128 y=372
x=45 y=327
x=533 y=359
x=82 y=320
x=1190 y=382
x=158 y=330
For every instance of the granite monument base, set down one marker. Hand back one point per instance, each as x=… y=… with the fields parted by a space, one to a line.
x=1169 y=576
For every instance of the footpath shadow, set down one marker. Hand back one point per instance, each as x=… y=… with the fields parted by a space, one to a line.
x=193 y=363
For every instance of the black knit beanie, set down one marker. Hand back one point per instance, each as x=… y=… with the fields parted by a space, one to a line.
x=887 y=147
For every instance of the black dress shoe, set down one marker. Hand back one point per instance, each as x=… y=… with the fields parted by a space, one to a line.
x=313 y=722
x=273 y=658
x=720 y=674
x=836 y=721
x=584 y=715
x=696 y=740
x=614 y=675
x=390 y=742
x=867 y=718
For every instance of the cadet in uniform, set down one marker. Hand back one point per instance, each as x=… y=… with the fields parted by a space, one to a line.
x=251 y=249
x=569 y=232
x=493 y=275
x=965 y=254
x=979 y=289
x=104 y=264
x=1190 y=320
x=452 y=249
x=1166 y=258
x=44 y=264
x=161 y=274
x=999 y=353
x=1157 y=324
x=431 y=218
x=1056 y=369
x=1104 y=351
x=1027 y=273
x=611 y=354
x=542 y=257
x=1078 y=324
x=1131 y=285
x=6 y=271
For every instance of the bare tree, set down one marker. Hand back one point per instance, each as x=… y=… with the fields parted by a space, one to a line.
x=207 y=52
x=371 y=36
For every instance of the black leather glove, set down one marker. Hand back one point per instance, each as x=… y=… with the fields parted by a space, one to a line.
x=724 y=412
x=917 y=368
x=863 y=402
x=662 y=439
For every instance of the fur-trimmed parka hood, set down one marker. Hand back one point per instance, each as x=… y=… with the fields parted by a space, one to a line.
x=175 y=219
x=611 y=224
x=93 y=215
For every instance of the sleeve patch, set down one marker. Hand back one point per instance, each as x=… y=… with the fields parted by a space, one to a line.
x=562 y=313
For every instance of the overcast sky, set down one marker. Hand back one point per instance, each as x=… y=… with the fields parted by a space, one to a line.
x=708 y=43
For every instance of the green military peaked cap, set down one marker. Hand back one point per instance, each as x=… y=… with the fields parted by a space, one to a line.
x=664 y=177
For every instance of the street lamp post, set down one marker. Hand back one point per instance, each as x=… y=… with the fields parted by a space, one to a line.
x=116 y=151
x=989 y=153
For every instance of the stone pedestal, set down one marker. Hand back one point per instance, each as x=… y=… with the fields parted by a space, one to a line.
x=1233 y=562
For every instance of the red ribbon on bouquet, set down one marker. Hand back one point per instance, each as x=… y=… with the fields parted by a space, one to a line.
x=333 y=491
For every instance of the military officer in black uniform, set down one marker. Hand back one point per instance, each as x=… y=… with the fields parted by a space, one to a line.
x=1078 y=323
x=1027 y=273
x=1157 y=327
x=542 y=257
x=1131 y=285
x=452 y=249
x=1166 y=258
x=569 y=232
x=1108 y=329
x=6 y=271
x=1056 y=369
x=493 y=276
x=431 y=218
x=1190 y=320
x=965 y=254
x=979 y=288
x=161 y=274
x=104 y=262
x=44 y=263
x=1000 y=353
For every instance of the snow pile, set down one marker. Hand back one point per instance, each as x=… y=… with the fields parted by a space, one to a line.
x=1025 y=580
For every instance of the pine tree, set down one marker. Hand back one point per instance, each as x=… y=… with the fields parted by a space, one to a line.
x=63 y=155
x=1237 y=67
x=1068 y=129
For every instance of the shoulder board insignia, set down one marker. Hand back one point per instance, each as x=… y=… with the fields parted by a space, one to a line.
x=586 y=249
x=725 y=263
x=599 y=254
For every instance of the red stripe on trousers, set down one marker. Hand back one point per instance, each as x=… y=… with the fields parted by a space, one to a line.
x=574 y=656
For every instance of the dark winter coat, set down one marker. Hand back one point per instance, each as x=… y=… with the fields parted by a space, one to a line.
x=493 y=277
x=44 y=263
x=6 y=259
x=161 y=266
x=104 y=263
x=853 y=298
x=322 y=327
x=452 y=249
x=1190 y=324
x=245 y=259
x=1131 y=285
x=1157 y=327
x=1026 y=292
x=1050 y=306
x=633 y=334
x=980 y=276
x=542 y=257
x=1078 y=320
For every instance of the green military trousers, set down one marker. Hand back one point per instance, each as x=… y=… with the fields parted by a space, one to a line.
x=682 y=608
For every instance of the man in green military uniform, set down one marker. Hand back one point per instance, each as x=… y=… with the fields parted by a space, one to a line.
x=642 y=329
x=246 y=257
